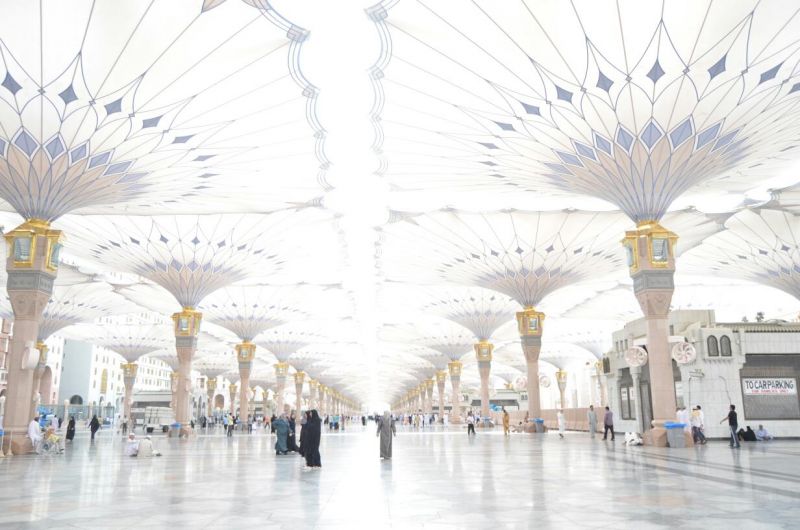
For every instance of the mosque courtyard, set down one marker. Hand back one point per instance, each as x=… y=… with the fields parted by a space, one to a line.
x=438 y=478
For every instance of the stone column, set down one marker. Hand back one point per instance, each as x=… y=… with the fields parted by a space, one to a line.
x=245 y=353
x=313 y=386
x=650 y=250
x=561 y=379
x=187 y=326
x=441 y=379
x=281 y=370
x=321 y=399
x=429 y=395
x=636 y=376
x=530 y=324
x=173 y=388
x=483 y=353
x=232 y=390
x=129 y=371
x=299 y=379
x=211 y=388
x=602 y=383
x=36 y=396
x=454 y=368
x=32 y=266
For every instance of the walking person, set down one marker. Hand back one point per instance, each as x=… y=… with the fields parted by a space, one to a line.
x=470 y=424
x=733 y=424
x=386 y=431
x=698 y=420
x=94 y=426
x=608 y=424
x=312 y=437
x=591 y=417
x=562 y=424
x=506 y=421
x=71 y=428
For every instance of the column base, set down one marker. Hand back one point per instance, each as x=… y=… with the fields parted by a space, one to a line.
x=180 y=431
x=655 y=437
x=18 y=444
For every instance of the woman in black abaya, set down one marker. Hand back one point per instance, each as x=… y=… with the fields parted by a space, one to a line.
x=311 y=438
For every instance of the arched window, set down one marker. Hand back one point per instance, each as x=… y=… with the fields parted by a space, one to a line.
x=725 y=346
x=713 y=347
x=76 y=400
x=104 y=382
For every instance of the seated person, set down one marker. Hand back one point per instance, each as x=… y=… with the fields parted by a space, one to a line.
x=763 y=435
x=749 y=435
x=146 y=448
x=35 y=434
x=132 y=446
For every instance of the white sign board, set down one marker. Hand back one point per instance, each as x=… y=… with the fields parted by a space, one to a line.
x=769 y=386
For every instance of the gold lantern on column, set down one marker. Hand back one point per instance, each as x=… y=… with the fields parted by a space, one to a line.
x=187 y=322
x=483 y=351
x=30 y=238
x=281 y=369
x=530 y=322
x=454 y=367
x=650 y=246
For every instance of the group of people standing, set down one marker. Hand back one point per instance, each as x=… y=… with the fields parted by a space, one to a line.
x=310 y=436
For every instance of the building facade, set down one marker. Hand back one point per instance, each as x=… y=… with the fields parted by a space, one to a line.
x=752 y=365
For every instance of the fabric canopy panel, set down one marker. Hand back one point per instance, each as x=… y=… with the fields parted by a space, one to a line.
x=635 y=103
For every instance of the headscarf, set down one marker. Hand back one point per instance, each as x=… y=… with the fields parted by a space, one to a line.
x=387 y=415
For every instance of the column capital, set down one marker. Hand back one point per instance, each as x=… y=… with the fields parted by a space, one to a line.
x=561 y=376
x=454 y=367
x=281 y=369
x=429 y=384
x=441 y=376
x=483 y=350
x=129 y=370
x=211 y=384
x=43 y=349
x=33 y=245
x=187 y=322
x=650 y=247
x=530 y=322
x=299 y=377
x=313 y=383
x=233 y=388
x=245 y=351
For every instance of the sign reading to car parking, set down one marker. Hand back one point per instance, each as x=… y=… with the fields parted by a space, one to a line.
x=770 y=386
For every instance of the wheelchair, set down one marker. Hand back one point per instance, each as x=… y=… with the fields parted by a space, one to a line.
x=49 y=447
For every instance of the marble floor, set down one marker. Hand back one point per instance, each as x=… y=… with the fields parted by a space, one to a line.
x=437 y=479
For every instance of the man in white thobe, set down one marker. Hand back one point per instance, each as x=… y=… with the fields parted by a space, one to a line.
x=35 y=434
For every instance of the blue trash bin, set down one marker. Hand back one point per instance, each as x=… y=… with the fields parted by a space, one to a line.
x=175 y=430
x=538 y=423
x=675 y=435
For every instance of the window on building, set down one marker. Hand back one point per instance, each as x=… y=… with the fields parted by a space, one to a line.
x=672 y=329
x=712 y=346
x=627 y=399
x=725 y=346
